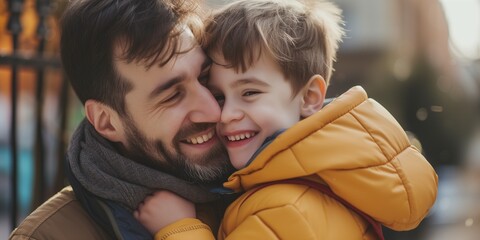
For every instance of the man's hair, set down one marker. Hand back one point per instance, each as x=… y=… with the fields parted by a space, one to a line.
x=146 y=30
x=301 y=37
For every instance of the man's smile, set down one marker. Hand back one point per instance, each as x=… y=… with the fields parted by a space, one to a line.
x=204 y=137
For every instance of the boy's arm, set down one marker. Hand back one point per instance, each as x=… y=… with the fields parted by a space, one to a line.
x=284 y=222
x=187 y=228
x=162 y=209
x=408 y=181
x=289 y=211
x=170 y=217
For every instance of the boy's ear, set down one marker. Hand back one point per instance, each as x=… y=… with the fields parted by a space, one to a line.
x=313 y=96
x=105 y=120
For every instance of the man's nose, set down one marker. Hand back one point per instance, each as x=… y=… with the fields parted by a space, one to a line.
x=204 y=106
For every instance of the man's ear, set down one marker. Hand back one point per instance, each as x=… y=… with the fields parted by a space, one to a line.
x=313 y=96
x=105 y=120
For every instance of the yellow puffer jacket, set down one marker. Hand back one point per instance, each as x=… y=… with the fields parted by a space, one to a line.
x=356 y=148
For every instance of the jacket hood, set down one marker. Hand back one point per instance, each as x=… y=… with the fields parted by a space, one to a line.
x=357 y=148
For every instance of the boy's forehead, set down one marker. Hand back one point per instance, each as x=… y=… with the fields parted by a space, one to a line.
x=217 y=57
x=247 y=59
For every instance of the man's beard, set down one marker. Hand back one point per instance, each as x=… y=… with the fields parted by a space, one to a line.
x=212 y=166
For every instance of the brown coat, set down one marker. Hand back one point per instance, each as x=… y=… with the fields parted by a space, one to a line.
x=54 y=220
x=63 y=217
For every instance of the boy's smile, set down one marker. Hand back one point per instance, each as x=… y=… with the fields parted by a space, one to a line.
x=241 y=136
x=238 y=139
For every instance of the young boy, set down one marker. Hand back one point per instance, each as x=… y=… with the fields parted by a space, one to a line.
x=272 y=61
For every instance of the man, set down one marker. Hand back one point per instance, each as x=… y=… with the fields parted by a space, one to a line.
x=150 y=122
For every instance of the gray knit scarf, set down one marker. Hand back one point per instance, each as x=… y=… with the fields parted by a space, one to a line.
x=104 y=172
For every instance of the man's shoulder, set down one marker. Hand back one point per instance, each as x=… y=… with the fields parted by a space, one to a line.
x=60 y=217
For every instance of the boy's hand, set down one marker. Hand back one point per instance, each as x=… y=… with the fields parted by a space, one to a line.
x=163 y=208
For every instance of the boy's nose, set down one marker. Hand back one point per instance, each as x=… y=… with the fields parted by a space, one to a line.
x=230 y=112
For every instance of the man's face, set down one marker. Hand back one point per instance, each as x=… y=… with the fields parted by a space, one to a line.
x=171 y=116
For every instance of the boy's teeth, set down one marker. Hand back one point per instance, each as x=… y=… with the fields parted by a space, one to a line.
x=242 y=136
x=200 y=139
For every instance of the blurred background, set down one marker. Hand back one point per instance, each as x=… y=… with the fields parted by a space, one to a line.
x=418 y=58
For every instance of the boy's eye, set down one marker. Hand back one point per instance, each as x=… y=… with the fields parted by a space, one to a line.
x=250 y=93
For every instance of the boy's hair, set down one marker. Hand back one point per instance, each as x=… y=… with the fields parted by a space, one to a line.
x=147 y=31
x=302 y=37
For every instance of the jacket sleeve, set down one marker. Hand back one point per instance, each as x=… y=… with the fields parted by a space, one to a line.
x=392 y=181
x=279 y=211
x=290 y=211
x=188 y=228
x=284 y=222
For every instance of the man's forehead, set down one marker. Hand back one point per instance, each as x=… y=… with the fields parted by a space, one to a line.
x=177 y=47
x=182 y=66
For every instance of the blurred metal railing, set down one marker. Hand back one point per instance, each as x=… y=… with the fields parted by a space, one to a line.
x=39 y=62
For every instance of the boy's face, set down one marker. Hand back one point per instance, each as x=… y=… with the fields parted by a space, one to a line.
x=255 y=104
